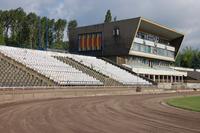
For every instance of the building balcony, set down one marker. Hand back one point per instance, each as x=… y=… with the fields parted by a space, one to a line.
x=154 y=44
x=149 y=49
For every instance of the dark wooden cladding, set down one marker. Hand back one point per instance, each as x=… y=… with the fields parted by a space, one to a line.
x=120 y=45
x=111 y=45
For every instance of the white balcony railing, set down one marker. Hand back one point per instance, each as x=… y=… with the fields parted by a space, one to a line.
x=150 y=43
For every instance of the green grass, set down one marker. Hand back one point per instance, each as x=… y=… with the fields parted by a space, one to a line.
x=189 y=103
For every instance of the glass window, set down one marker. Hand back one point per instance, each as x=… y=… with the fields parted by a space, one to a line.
x=159 y=51
x=165 y=52
x=170 y=54
x=151 y=37
x=154 y=50
x=136 y=47
x=142 y=48
x=147 y=49
x=162 y=52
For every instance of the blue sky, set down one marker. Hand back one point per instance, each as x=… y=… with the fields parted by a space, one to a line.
x=180 y=15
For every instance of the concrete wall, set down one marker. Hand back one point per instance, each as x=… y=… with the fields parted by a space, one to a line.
x=193 y=85
x=28 y=93
x=179 y=85
x=24 y=94
x=165 y=85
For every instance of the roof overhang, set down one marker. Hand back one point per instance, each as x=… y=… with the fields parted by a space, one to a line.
x=175 y=38
x=152 y=27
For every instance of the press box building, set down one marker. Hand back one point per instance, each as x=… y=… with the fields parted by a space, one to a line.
x=148 y=48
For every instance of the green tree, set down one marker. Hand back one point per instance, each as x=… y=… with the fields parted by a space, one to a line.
x=187 y=57
x=59 y=29
x=72 y=24
x=60 y=25
x=22 y=30
x=108 y=17
x=51 y=32
x=17 y=15
x=196 y=60
x=1 y=29
x=6 y=17
x=1 y=35
x=178 y=59
x=31 y=28
x=44 y=21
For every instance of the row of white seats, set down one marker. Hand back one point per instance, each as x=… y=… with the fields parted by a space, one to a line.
x=106 y=68
x=44 y=63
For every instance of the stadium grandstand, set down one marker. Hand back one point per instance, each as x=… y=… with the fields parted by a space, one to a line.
x=147 y=48
x=26 y=67
x=128 y=52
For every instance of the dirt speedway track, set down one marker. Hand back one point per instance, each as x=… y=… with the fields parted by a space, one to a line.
x=106 y=114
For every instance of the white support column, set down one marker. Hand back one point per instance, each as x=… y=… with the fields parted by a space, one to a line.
x=182 y=79
x=163 y=78
x=154 y=78
x=149 y=77
x=171 y=79
x=167 y=78
x=179 y=79
x=159 y=78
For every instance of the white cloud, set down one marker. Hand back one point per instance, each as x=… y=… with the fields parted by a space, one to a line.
x=178 y=14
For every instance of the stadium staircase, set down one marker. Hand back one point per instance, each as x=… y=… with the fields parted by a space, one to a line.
x=129 y=70
x=101 y=77
x=15 y=74
x=110 y=70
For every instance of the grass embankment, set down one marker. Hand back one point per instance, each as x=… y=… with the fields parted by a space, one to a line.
x=189 y=103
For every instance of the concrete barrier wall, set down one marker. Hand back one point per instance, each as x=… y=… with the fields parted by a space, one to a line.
x=24 y=93
x=34 y=93
x=164 y=85
x=193 y=85
x=179 y=86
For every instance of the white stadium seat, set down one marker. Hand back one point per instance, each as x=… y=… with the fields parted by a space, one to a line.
x=107 y=69
x=44 y=63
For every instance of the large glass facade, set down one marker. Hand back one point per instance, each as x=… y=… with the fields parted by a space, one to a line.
x=151 y=37
x=145 y=62
x=152 y=50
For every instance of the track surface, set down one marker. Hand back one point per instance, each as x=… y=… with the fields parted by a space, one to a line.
x=107 y=114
